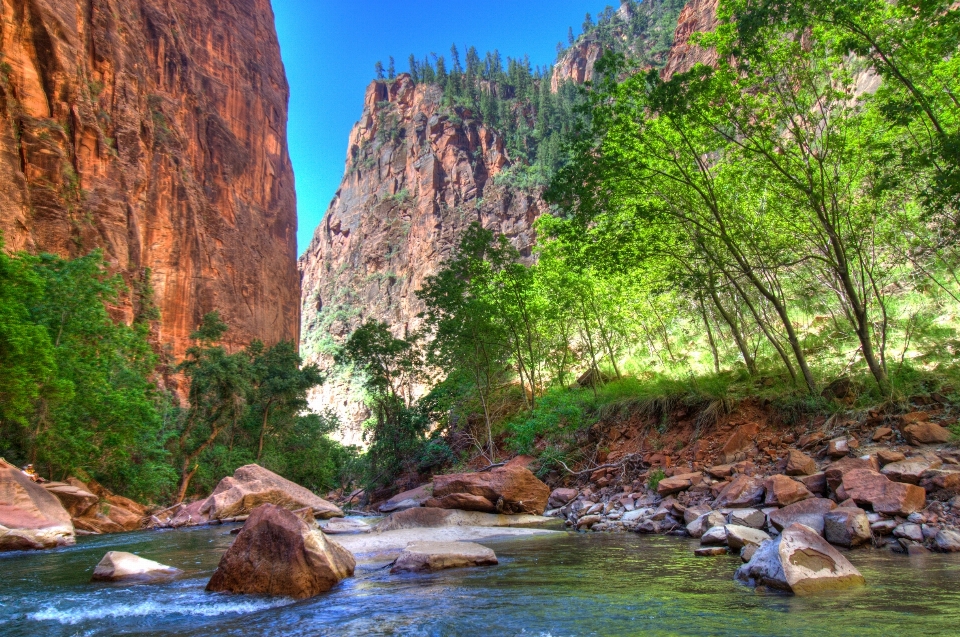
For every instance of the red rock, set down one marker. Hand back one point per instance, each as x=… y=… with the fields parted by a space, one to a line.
x=800 y=464
x=783 y=491
x=940 y=480
x=721 y=471
x=914 y=417
x=838 y=448
x=926 y=433
x=910 y=470
x=561 y=497
x=740 y=442
x=30 y=517
x=676 y=484
x=696 y=16
x=189 y=180
x=838 y=469
x=462 y=501
x=75 y=500
x=816 y=483
x=808 y=512
x=252 y=485
x=277 y=553
x=874 y=489
x=742 y=492
x=886 y=456
x=511 y=489
x=882 y=433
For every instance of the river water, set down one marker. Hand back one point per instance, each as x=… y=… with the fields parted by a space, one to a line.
x=560 y=585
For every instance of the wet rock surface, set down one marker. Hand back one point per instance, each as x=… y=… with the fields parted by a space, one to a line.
x=437 y=556
x=119 y=566
x=277 y=553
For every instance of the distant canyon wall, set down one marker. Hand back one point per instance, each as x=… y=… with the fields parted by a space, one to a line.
x=415 y=178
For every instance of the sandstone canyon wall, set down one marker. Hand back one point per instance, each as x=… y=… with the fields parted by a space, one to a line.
x=416 y=176
x=155 y=130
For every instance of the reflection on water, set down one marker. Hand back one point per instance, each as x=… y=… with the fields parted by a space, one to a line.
x=559 y=586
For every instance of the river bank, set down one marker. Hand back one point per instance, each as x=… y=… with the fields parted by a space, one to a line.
x=564 y=585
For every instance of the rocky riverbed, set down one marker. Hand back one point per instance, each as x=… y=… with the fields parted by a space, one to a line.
x=567 y=584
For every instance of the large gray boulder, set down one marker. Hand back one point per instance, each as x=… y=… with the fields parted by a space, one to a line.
x=799 y=561
x=437 y=556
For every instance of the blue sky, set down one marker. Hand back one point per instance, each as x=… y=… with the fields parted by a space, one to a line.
x=330 y=48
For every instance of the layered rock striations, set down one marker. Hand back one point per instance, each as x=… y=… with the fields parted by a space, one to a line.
x=156 y=131
x=417 y=175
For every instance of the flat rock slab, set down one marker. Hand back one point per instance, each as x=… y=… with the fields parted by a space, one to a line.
x=119 y=566
x=252 y=486
x=343 y=526
x=437 y=556
x=30 y=516
x=378 y=547
x=430 y=517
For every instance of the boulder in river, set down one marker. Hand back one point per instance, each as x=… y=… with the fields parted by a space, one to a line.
x=801 y=562
x=947 y=541
x=511 y=489
x=119 y=566
x=437 y=556
x=277 y=553
x=252 y=486
x=30 y=517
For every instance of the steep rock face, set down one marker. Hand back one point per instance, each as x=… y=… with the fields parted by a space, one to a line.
x=155 y=130
x=415 y=178
x=698 y=16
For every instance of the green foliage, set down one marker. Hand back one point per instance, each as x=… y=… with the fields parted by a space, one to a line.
x=558 y=417
x=76 y=393
x=655 y=477
x=390 y=367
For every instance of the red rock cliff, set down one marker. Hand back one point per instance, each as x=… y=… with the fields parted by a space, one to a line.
x=155 y=130
x=415 y=179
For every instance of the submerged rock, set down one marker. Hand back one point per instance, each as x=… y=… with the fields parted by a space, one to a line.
x=119 y=566
x=277 y=553
x=437 y=556
x=801 y=562
x=31 y=518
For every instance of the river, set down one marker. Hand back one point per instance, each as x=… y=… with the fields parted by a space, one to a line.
x=558 y=586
